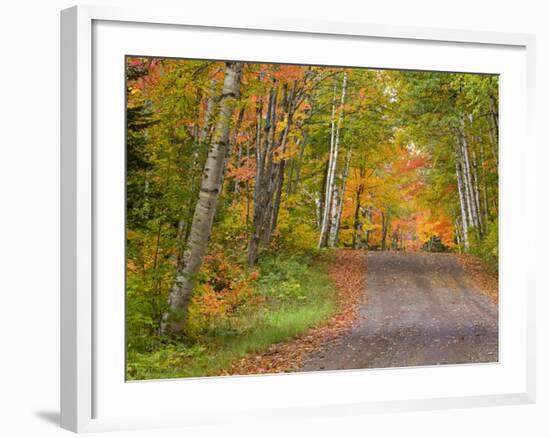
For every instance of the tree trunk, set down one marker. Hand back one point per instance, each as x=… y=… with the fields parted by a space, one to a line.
x=208 y=114
x=323 y=235
x=290 y=176
x=280 y=175
x=493 y=106
x=385 y=224
x=475 y=182
x=261 y=152
x=334 y=233
x=201 y=227
x=458 y=232
x=234 y=185
x=462 y=205
x=367 y=214
x=247 y=188
x=484 y=181
x=332 y=229
x=476 y=193
x=471 y=194
x=318 y=210
x=466 y=178
x=268 y=183
x=356 y=221
x=331 y=198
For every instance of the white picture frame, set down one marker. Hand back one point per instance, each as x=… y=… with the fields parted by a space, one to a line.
x=87 y=378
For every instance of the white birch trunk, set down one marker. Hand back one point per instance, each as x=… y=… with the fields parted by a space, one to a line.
x=465 y=180
x=201 y=227
x=475 y=183
x=484 y=178
x=328 y=196
x=318 y=210
x=462 y=206
x=331 y=201
x=476 y=192
x=333 y=216
x=336 y=225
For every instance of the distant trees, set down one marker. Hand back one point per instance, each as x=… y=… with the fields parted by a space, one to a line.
x=456 y=117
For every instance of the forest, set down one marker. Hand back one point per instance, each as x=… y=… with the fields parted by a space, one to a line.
x=244 y=180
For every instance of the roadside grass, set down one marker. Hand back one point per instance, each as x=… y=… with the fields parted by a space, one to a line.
x=296 y=294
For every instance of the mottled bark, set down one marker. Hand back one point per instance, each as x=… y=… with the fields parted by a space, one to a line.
x=333 y=241
x=367 y=214
x=268 y=183
x=234 y=139
x=212 y=100
x=323 y=235
x=331 y=195
x=318 y=210
x=476 y=192
x=484 y=181
x=473 y=213
x=281 y=165
x=466 y=183
x=261 y=150
x=463 y=214
x=205 y=209
x=493 y=107
x=270 y=171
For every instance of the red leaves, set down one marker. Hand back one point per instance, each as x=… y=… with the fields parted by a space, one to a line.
x=414 y=163
x=288 y=73
x=243 y=173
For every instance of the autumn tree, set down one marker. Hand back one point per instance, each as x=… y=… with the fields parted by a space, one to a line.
x=205 y=208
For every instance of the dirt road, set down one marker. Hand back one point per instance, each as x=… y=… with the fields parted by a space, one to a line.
x=417 y=309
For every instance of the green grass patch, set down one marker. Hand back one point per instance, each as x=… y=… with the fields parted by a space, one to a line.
x=296 y=294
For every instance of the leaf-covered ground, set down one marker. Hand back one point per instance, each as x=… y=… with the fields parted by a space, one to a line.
x=348 y=272
x=483 y=276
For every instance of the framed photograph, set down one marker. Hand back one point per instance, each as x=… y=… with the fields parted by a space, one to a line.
x=282 y=219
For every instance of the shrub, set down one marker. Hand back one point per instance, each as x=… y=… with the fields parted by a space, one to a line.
x=487 y=248
x=223 y=286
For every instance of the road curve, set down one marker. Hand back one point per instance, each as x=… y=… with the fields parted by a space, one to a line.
x=417 y=309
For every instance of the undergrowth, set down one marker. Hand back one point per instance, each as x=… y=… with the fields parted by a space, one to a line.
x=283 y=298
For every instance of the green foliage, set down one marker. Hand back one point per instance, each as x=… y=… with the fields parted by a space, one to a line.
x=142 y=366
x=486 y=248
x=286 y=277
x=293 y=295
x=296 y=229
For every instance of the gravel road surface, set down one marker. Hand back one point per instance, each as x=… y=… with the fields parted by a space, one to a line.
x=417 y=309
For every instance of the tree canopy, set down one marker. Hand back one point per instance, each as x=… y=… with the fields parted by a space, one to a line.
x=228 y=163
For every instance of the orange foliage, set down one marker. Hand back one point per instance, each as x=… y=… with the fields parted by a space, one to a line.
x=241 y=173
x=288 y=72
x=224 y=286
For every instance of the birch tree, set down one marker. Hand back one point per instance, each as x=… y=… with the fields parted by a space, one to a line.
x=182 y=290
x=330 y=211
